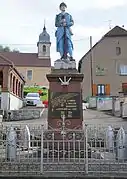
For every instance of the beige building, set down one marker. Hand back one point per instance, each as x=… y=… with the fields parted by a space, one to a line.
x=105 y=65
x=33 y=66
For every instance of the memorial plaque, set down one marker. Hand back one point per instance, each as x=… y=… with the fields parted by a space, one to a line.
x=64 y=103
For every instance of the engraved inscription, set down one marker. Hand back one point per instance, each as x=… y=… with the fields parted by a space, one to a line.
x=64 y=103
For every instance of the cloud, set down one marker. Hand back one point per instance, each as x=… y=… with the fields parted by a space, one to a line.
x=85 y=31
x=98 y=4
x=109 y=3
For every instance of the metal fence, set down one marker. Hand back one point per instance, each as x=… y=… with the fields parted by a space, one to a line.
x=94 y=151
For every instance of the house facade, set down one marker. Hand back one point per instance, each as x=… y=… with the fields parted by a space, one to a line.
x=105 y=65
x=11 y=86
x=33 y=66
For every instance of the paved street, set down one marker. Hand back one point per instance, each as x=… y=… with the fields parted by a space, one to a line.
x=96 y=117
x=91 y=117
x=100 y=120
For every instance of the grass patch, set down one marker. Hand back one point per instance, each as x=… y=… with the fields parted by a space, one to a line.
x=43 y=91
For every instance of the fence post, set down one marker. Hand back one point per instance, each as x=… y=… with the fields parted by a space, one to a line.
x=11 y=147
x=86 y=147
x=42 y=149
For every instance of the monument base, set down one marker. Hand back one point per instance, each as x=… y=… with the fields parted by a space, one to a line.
x=65 y=99
x=64 y=64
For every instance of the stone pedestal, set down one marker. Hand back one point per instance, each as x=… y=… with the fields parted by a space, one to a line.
x=64 y=64
x=65 y=99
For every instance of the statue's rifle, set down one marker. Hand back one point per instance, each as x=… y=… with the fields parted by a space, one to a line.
x=65 y=41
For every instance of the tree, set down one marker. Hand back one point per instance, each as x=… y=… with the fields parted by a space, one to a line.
x=14 y=50
x=7 y=49
x=1 y=48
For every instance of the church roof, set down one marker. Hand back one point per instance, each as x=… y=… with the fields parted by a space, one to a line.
x=26 y=59
x=44 y=37
x=6 y=62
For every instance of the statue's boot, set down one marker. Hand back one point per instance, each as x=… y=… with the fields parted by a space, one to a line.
x=72 y=59
x=62 y=57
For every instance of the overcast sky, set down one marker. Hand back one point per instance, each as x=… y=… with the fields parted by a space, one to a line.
x=21 y=22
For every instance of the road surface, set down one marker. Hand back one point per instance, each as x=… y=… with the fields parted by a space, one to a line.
x=91 y=117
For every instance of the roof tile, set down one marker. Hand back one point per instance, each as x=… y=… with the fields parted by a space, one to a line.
x=26 y=59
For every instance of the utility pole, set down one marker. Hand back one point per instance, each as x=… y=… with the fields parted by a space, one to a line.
x=91 y=65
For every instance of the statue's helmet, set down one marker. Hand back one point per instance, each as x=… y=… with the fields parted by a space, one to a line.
x=62 y=4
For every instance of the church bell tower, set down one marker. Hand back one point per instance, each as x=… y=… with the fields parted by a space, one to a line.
x=44 y=45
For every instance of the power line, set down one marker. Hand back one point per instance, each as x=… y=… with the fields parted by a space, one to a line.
x=16 y=44
x=35 y=43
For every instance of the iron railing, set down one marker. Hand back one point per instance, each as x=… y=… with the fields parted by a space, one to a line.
x=94 y=151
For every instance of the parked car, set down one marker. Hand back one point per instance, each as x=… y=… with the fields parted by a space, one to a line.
x=32 y=99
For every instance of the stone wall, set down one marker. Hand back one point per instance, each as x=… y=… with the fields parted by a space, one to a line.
x=24 y=114
x=74 y=170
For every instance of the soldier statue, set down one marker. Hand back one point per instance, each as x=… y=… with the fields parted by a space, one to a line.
x=63 y=22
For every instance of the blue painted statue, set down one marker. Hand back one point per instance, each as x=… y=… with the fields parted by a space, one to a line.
x=63 y=34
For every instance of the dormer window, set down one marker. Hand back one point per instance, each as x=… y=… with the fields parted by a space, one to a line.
x=44 y=48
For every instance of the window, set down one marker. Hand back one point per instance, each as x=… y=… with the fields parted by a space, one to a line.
x=29 y=74
x=14 y=84
x=44 y=48
x=123 y=69
x=100 y=89
x=118 y=50
x=33 y=95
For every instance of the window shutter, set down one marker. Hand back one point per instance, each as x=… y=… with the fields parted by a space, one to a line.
x=94 y=89
x=107 y=89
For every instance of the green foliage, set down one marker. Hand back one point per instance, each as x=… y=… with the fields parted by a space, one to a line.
x=43 y=91
x=25 y=93
x=7 y=49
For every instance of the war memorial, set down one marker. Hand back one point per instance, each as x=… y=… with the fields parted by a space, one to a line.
x=65 y=96
x=67 y=148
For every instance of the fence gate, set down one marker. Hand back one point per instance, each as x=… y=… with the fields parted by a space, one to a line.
x=64 y=151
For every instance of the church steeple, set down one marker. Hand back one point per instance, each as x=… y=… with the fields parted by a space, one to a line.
x=44 y=28
x=44 y=44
